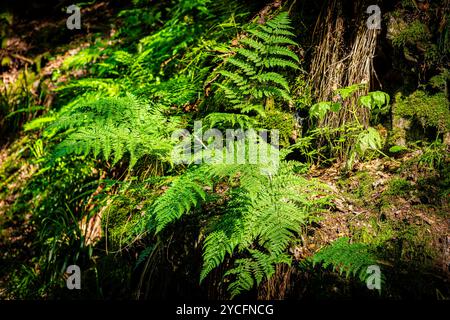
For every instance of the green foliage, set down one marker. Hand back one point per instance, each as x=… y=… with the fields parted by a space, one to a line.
x=350 y=259
x=260 y=221
x=434 y=155
x=137 y=19
x=429 y=110
x=59 y=241
x=347 y=92
x=281 y=121
x=226 y=120
x=83 y=58
x=17 y=103
x=377 y=102
x=413 y=33
x=319 y=110
x=101 y=87
x=351 y=139
x=185 y=193
x=261 y=218
x=113 y=127
x=369 y=139
x=162 y=66
x=252 y=77
x=366 y=141
x=252 y=270
x=365 y=185
x=440 y=81
x=6 y=20
x=397 y=149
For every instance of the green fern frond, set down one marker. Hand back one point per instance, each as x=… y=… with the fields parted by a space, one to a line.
x=282 y=51
x=113 y=127
x=274 y=77
x=251 y=271
x=350 y=259
x=236 y=78
x=278 y=62
x=258 y=76
x=226 y=119
x=277 y=31
x=250 y=55
x=106 y=86
x=185 y=193
x=280 y=21
x=231 y=93
x=252 y=43
x=261 y=35
x=247 y=68
x=247 y=108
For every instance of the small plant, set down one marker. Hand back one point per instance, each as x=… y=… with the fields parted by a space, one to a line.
x=434 y=155
x=353 y=139
x=397 y=149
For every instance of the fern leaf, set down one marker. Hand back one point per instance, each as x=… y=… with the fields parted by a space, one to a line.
x=282 y=51
x=274 y=77
x=278 y=62
x=247 y=68
x=252 y=43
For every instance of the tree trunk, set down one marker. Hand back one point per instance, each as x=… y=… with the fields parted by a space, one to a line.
x=343 y=57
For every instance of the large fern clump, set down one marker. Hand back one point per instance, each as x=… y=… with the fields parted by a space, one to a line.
x=113 y=127
x=262 y=217
x=265 y=214
x=264 y=210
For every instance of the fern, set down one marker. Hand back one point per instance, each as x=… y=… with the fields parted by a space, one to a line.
x=255 y=71
x=227 y=119
x=350 y=259
x=185 y=193
x=252 y=271
x=265 y=212
x=114 y=127
x=263 y=215
x=107 y=87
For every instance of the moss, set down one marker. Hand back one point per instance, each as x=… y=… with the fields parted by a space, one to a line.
x=440 y=81
x=282 y=121
x=397 y=136
x=120 y=220
x=416 y=248
x=398 y=187
x=411 y=34
x=377 y=234
x=429 y=110
x=365 y=188
x=359 y=188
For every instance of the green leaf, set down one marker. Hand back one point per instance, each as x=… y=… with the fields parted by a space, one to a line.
x=319 y=110
x=397 y=149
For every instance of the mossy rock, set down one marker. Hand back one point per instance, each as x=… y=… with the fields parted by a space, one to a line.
x=429 y=110
x=410 y=34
